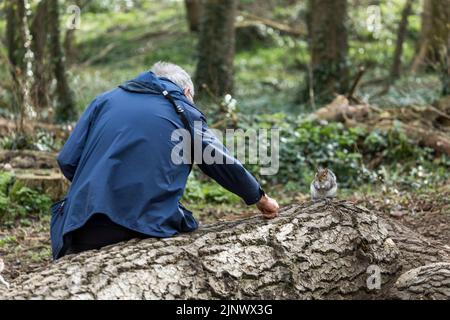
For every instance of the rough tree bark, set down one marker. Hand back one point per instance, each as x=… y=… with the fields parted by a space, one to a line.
x=415 y=249
x=19 y=61
x=427 y=282
x=15 y=36
x=424 y=41
x=69 y=43
x=432 y=49
x=216 y=48
x=315 y=250
x=15 y=42
x=401 y=34
x=65 y=109
x=446 y=70
x=320 y=250
x=38 y=29
x=328 y=47
x=193 y=14
x=70 y=36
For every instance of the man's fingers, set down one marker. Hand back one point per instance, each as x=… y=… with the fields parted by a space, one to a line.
x=271 y=210
x=270 y=215
x=268 y=207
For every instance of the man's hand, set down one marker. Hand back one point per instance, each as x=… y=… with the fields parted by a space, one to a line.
x=268 y=207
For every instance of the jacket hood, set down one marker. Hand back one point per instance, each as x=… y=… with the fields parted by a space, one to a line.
x=148 y=82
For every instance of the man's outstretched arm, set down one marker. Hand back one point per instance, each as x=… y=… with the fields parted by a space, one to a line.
x=232 y=175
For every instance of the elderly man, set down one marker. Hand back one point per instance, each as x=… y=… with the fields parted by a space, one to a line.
x=124 y=183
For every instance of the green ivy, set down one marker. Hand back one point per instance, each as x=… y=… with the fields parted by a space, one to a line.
x=20 y=202
x=206 y=191
x=307 y=144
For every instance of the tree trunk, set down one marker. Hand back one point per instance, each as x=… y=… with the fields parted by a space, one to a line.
x=446 y=71
x=328 y=48
x=70 y=36
x=434 y=40
x=193 y=14
x=423 y=43
x=321 y=250
x=216 y=48
x=65 y=109
x=15 y=36
x=69 y=42
x=439 y=33
x=20 y=59
x=401 y=34
x=40 y=92
x=15 y=41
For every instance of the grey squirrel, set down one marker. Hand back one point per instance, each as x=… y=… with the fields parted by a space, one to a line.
x=3 y=281
x=324 y=185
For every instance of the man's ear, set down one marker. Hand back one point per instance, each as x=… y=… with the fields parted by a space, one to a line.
x=188 y=94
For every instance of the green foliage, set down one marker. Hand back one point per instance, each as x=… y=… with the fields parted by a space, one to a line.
x=350 y=152
x=7 y=240
x=16 y=142
x=6 y=180
x=395 y=146
x=121 y=38
x=20 y=202
x=309 y=145
x=206 y=191
x=411 y=90
x=268 y=78
x=42 y=141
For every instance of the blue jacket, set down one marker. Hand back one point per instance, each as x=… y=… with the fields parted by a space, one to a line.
x=118 y=159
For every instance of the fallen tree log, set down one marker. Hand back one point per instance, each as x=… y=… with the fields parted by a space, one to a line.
x=431 y=139
x=427 y=282
x=316 y=250
x=321 y=250
x=341 y=110
x=415 y=249
x=425 y=265
x=428 y=126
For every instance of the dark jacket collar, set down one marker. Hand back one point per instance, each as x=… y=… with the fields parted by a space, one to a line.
x=147 y=82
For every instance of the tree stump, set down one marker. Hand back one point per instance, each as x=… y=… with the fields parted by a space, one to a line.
x=28 y=159
x=49 y=182
x=37 y=170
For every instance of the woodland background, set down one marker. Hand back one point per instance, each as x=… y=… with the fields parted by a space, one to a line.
x=360 y=86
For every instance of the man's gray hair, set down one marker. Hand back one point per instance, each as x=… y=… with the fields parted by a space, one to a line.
x=174 y=73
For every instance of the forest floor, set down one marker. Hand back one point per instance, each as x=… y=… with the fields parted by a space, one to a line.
x=25 y=248
x=427 y=212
